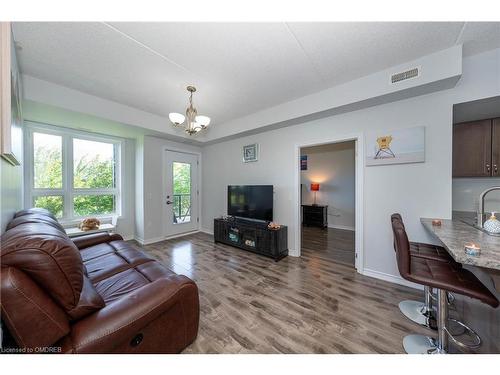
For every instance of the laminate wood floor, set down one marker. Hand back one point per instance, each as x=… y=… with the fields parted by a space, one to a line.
x=311 y=304
x=329 y=243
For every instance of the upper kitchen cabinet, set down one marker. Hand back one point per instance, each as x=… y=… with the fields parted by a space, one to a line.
x=476 y=148
x=495 y=147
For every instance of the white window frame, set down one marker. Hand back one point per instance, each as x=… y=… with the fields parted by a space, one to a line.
x=68 y=191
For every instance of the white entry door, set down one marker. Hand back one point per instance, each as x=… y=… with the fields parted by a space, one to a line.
x=181 y=193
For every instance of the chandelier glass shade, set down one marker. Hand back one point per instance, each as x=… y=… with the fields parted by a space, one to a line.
x=192 y=122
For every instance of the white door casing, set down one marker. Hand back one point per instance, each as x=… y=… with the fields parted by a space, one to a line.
x=180 y=212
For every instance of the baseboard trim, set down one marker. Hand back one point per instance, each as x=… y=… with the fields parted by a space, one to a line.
x=343 y=227
x=149 y=241
x=159 y=239
x=129 y=237
x=207 y=231
x=390 y=278
x=181 y=235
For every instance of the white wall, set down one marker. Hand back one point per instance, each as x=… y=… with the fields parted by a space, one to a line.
x=333 y=167
x=415 y=190
x=466 y=194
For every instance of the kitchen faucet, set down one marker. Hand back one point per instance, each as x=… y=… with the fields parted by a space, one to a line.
x=480 y=214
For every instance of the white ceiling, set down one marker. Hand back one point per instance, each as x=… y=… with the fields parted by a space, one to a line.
x=238 y=68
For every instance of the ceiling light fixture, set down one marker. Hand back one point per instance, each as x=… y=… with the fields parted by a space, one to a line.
x=194 y=122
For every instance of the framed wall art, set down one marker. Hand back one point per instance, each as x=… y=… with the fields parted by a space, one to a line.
x=251 y=153
x=10 y=99
x=395 y=147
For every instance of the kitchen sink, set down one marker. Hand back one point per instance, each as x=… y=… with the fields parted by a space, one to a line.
x=472 y=221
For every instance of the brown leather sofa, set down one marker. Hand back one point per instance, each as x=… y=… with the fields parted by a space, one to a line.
x=92 y=294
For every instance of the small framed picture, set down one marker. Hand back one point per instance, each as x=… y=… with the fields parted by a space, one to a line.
x=250 y=153
x=303 y=162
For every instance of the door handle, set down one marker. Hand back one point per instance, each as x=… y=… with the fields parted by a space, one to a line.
x=495 y=168
x=169 y=202
x=488 y=168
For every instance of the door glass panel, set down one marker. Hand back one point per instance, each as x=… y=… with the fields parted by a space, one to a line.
x=47 y=157
x=182 y=192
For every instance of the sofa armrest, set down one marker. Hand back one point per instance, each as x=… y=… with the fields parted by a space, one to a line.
x=88 y=240
x=121 y=320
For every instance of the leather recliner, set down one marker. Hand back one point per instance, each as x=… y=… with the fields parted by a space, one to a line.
x=93 y=294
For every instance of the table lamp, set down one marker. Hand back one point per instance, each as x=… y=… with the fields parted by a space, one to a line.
x=315 y=188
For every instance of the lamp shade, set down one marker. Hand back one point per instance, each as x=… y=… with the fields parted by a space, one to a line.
x=176 y=118
x=203 y=121
x=314 y=187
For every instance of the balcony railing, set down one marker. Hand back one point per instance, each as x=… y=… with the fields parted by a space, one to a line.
x=182 y=208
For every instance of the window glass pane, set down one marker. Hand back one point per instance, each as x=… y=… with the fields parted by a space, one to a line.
x=53 y=203
x=182 y=192
x=85 y=205
x=47 y=157
x=93 y=164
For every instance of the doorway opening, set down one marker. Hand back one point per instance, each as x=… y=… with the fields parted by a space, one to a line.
x=329 y=202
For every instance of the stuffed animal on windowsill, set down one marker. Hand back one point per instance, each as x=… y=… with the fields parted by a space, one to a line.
x=273 y=226
x=90 y=223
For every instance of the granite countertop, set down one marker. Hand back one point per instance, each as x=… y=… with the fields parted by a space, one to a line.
x=455 y=233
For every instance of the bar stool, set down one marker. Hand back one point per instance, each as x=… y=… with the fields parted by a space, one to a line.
x=419 y=312
x=445 y=278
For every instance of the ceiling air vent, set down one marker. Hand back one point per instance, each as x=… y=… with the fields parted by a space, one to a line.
x=398 y=77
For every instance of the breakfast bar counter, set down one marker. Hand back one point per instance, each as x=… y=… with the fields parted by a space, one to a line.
x=454 y=234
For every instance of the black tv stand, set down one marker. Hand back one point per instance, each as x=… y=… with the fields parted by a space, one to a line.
x=252 y=236
x=254 y=223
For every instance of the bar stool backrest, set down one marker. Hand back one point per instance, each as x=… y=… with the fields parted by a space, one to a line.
x=397 y=216
x=402 y=247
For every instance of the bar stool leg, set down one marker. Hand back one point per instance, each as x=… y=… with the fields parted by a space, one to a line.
x=428 y=298
x=442 y=322
x=420 y=344
x=419 y=312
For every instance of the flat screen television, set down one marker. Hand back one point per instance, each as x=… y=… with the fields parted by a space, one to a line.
x=250 y=201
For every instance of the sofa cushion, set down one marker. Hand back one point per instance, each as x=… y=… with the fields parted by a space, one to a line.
x=105 y=266
x=89 y=240
x=122 y=283
x=96 y=251
x=119 y=285
x=118 y=256
x=90 y=301
x=154 y=270
x=49 y=257
x=34 y=210
x=32 y=218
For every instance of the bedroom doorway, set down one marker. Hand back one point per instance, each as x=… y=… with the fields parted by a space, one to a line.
x=329 y=201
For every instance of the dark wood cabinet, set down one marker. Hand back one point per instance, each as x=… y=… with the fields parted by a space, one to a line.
x=252 y=236
x=315 y=216
x=476 y=148
x=495 y=147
